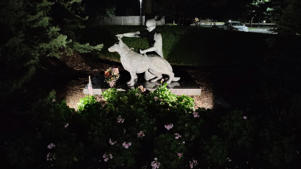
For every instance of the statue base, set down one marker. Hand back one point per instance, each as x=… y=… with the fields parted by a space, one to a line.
x=185 y=86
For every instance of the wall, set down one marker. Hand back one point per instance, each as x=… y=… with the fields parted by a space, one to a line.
x=121 y=20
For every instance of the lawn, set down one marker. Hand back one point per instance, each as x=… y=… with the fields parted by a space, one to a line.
x=190 y=46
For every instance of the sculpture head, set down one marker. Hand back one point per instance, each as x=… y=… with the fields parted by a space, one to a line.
x=150 y=24
x=114 y=48
x=118 y=46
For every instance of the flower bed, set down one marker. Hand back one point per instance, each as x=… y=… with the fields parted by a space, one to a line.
x=138 y=129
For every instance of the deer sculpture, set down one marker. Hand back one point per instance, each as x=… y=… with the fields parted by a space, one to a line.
x=153 y=66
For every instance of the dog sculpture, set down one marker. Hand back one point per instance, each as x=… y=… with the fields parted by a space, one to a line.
x=153 y=66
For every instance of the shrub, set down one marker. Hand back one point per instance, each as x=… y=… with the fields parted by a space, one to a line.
x=136 y=129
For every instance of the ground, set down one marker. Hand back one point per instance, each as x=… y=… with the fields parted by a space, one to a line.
x=73 y=90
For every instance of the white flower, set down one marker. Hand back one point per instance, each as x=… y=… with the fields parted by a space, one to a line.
x=120 y=119
x=66 y=125
x=177 y=136
x=112 y=142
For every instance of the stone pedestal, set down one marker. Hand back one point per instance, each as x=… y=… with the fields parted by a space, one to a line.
x=185 y=86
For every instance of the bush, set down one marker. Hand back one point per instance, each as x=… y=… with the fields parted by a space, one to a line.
x=135 y=129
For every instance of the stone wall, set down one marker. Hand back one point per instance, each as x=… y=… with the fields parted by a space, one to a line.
x=121 y=20
x=126 y=20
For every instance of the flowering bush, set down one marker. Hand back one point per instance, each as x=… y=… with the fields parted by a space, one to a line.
x=140 y=129
x=111 y=76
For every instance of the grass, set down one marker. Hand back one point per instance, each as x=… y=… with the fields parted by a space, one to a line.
x=192 y=46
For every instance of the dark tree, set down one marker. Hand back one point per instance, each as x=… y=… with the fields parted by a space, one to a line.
x=290 y=20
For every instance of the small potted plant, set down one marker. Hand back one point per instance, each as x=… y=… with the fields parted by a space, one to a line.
x=111 y=76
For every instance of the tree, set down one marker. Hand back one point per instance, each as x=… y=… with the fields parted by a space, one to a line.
x=31 y=32
x=290 y=20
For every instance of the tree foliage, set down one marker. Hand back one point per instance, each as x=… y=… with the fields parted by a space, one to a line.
x=290 y=20
x=33 y=31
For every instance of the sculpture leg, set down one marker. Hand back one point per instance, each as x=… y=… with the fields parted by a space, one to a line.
x=148 y=75
x=133 y=78
x=171 y=77
x=157 y=74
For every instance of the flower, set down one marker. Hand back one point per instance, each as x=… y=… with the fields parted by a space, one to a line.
x=111 y=76
x=196 y=114
x=156 y=98
x=177 y=136
x=51 y=146
x=168 y=126
x=66 y=125
x=106 y=157
x=112 y=142
x=120 y=119
x=107 y=73
x=126 y=145
x=50 y=157
x=180 y=155
x=155 y=164
x=115 y=71
x=140 y=134
x=193 y=163
x=228 y=159
x=141 y=88
x=245 y=117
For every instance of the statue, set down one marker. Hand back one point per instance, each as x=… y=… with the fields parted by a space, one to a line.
x=154 y=41
x=154 y=38
x=134 y=63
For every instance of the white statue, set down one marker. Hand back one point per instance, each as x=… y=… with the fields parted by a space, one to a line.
x=154 y=41
x=141 y=63
x=154 y=38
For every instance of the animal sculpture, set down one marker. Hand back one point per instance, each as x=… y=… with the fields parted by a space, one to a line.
x=134 y=63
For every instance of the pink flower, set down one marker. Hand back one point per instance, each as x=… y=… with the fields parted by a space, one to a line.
x=112 y=83
x=155 y=164
x=245 y=117
x=51 y=146
x=112 y=142
x=140 y=134
x=120 y=119
x=115 y=71
x=180 y=155
x=126 y=145
x=177 y=136
x=193 y=163
x=168 y=126
x=196 y=114
x=106 y=157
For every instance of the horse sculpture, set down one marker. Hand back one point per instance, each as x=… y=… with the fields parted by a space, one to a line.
x=153 y=66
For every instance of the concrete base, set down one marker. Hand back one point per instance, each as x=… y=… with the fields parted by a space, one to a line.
x=185 y=86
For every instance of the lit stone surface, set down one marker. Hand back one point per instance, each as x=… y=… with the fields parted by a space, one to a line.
x=186 y=86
